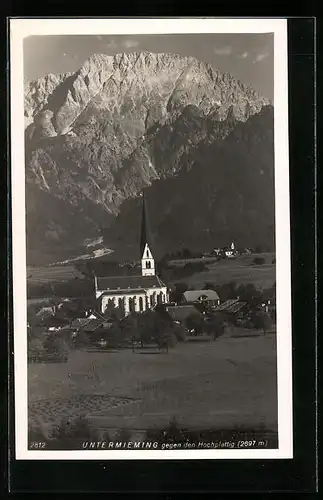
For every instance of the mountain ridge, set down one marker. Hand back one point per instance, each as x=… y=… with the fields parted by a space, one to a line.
x=99 y=136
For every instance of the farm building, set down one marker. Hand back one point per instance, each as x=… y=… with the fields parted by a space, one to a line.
x=233 y=309
x=134 y=293
x=93 y=328
x=180 y=313
x=210 y=297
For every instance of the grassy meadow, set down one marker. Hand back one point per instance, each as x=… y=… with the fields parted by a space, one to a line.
x=240 y=270
x=228 y=382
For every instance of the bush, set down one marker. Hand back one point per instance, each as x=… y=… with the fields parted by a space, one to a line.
x=56 y=346
x=215 y=326
x=123 y=435
x=82 y=340
x=70 y=434
x=259 y=261
x=36 y=434
x=171 y=340
x=180 y=333
x=195 y=322
x=35 y=347
x=261 y=320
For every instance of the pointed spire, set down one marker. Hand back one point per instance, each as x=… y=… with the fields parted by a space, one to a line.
x=145 y=237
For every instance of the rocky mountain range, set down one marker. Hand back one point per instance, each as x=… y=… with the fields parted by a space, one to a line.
x=199 y=142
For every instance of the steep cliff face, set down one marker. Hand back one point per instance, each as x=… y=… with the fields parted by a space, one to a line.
x=97 y=137
x=227 y=194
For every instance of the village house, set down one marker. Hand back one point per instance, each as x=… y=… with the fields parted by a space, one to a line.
x=179 y=314
x=228 y=252
x=207 y=297
x=134 y=293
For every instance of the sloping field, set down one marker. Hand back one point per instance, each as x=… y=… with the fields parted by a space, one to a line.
x=52 y=274
x=228 y=382
x=240 y=270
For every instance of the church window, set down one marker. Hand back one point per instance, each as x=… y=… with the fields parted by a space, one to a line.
x=141 y=304
x=132 y=304
x=121 y=304
x=148 y=265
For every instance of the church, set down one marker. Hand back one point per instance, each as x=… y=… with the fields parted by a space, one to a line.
x=134 y=293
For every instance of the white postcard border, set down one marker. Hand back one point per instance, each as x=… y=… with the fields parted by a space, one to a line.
x=19 y=29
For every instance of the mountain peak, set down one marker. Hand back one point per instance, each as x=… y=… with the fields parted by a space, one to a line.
x=96 y=137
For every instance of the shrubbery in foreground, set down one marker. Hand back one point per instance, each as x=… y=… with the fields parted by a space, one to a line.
x=73 y=433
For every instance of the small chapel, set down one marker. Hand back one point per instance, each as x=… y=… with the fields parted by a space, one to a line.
x=134 y=293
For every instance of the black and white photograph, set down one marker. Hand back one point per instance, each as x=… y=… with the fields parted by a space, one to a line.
x=151 y=266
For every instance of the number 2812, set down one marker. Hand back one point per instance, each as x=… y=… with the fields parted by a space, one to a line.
x=37 y=445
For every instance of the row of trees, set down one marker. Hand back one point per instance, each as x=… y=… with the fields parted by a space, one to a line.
x=77 y=287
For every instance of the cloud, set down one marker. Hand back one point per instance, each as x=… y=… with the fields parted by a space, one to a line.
x=112 y=45
x=260 y=57
x=244 y=55
x=130 y=43
x=223 y=51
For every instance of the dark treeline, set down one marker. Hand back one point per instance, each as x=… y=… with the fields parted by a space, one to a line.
x=76 y=287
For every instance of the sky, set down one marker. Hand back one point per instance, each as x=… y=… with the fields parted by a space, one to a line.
x=247 y=57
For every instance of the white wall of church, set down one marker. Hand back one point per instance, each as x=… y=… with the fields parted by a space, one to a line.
x=138 y=302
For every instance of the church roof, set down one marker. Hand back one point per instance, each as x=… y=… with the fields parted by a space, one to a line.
x=117 y=283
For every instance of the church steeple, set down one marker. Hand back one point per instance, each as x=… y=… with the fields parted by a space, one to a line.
x=147 y=260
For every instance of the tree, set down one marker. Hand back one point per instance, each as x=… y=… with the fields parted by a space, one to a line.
x=113 y=312
x=261 y=320
x=148 y=327
x=228 y=291
x=215 y=326
x=176 y=295
x=209 y=286
x=259 y=261
x=195 y=322
x=70 y=434
x=129 y=327
x=57 y=346
x=264 y=321
x=250 y=294
x=259 y=248
x=186 y=254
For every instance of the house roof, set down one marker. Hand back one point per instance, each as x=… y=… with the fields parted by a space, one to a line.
x=90 y=325
x=196 y=295
x=80 y=322
x=179 y=313
x=95 y=324
x=126 y=283
x=48 y=310
x=231 y=306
